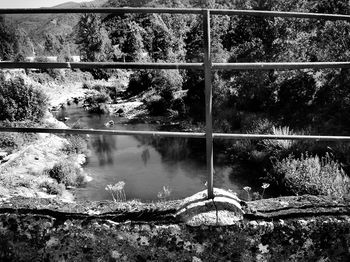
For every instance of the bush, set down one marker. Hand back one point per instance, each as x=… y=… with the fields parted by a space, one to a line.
x=77 y=144
x=67 y=173
x=296 y=96
x=139 y=82
x=11 y=141
x=279 y=144
x=41 y=78
x=312 y=175
x=109 y=90
x=52 y=187
x=154 y=79
x=97 y=98
x=162 y=87
x=19 y=101
x=76 y=75
x=96 y=103
x=179 y=105
x=156 y=105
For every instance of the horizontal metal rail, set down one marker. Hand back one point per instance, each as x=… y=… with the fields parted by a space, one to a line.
x=318 y=16
x=101 y=132
x=215 y=66
x=122 y=10
x=173 y=134
x=133 y=65
x=279 y=137
x=104 y=65
x=280 y=66
x=126 y=10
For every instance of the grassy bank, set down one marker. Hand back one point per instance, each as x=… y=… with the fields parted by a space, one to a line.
x=38 y=165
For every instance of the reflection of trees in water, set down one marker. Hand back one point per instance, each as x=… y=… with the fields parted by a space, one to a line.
x=104 y=147
x=145 y=155
x=175 y=149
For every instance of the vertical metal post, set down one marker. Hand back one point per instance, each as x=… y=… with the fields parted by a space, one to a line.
x=208 y=102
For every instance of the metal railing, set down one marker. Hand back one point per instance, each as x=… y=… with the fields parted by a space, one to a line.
x=207 y=66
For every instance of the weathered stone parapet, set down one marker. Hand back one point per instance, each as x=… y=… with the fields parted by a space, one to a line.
x=225 y=209
x=281 y=229
x=42 y=238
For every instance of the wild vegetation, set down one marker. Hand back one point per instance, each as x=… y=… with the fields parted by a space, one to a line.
x=264 y=102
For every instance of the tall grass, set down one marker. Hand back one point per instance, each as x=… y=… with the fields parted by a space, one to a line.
x=277 y=143
x=117 y=191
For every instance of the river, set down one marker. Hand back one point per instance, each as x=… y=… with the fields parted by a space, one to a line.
x=145 y=164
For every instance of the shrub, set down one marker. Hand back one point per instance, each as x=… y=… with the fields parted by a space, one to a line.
x=41 y=78
x=154 y=79
x=295 y=98
x=162 y=87
x=109 y=90
x=52 y=187
x=67 y=173
x=139 y=81
x=11 y=141
x=77 y=144
x=19 y=101
x=76 y=75
x=97 y=98
x=312 y=175
x=252 y=123
x=96 y=103
x=156 y=105
x=179 y=105
x=279 y=144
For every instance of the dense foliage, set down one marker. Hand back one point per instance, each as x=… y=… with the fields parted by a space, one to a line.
x=307 y=101
x=299 y=99
x=271 y=101
x=312 y=175
x=9 y=42
x=67 y=173
x=20 y=101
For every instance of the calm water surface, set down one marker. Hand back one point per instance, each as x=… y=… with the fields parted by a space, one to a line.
x=145 y=164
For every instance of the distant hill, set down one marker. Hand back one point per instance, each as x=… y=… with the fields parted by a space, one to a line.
x=72 y=4
x=36 y=26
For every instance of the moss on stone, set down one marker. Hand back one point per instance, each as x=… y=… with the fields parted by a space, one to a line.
x=45 y=230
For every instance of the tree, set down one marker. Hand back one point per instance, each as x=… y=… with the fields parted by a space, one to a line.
x=20 y=101
x=7 y=40
x=126 y=35
x=92 y=39
x=53 y=45
x=94 y=44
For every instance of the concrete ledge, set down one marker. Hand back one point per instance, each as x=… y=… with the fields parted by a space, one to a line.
x=224 y=209
x=304 y=228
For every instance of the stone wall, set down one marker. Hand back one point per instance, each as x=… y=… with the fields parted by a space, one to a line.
x=282 y=229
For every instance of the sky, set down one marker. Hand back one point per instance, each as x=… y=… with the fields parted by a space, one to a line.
x=34 y=3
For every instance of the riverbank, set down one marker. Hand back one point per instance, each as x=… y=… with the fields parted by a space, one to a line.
x=131 y=112
x=25 y=172
x=27 y=169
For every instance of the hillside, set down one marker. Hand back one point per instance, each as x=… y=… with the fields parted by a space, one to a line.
x=37 y=26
